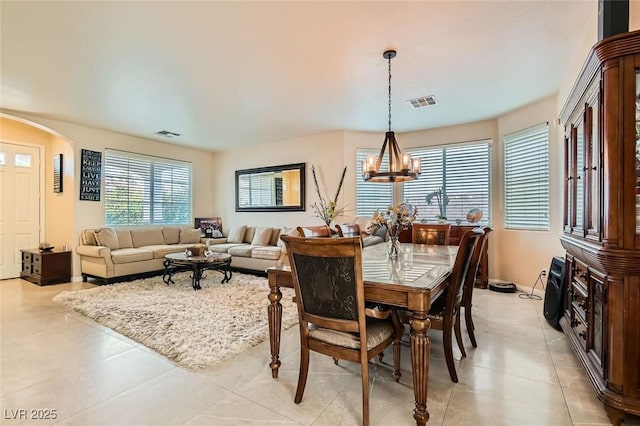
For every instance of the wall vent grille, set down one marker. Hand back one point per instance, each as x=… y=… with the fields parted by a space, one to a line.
x=423 y=101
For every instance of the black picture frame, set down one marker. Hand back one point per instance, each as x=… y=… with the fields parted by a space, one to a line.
x=90 y=175
x=58 y=173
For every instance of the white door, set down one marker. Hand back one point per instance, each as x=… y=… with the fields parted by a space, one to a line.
x=20 y=209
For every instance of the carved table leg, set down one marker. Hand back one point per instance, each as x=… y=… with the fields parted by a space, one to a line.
x=275 y=324
x=168 y=272
x=420 y=347
x=196 y=277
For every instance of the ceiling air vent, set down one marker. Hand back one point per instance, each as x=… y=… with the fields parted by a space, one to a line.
x=168 y=134
x=423 y=101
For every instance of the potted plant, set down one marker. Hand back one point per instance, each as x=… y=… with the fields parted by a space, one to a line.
x=442 y=199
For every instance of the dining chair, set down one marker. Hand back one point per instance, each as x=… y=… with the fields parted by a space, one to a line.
x=348 y=230
x=430 y=233
x=315 y=231
x=327 y=278
x=444 y=313
x=470 y=284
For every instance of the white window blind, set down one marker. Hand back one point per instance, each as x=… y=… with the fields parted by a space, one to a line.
x=146 y=190
x=462 y=171
x=371 y=196
x=259 y=190
x=526 y=179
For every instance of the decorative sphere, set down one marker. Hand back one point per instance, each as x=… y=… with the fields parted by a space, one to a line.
x=474 y=215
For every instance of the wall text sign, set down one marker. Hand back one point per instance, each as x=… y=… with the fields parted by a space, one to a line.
x=90 y=171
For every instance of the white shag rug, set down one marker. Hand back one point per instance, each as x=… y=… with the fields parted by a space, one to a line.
x=192 y=328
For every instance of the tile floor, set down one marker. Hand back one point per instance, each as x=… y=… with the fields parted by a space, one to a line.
x=51 y=358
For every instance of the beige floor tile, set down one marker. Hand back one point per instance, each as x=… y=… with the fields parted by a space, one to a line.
x=172 y=398
x=234 y=410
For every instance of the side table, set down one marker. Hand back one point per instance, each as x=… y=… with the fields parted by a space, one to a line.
x=47 y=267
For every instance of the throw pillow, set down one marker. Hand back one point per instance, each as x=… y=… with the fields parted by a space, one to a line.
x=190 y=235
x=261 y=237
x=236 y=234
x=287 y=231
x=107 y=237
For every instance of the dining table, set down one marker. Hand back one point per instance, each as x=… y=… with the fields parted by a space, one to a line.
x=412 y=281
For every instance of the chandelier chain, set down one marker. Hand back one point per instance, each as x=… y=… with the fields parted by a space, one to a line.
x=389 y=93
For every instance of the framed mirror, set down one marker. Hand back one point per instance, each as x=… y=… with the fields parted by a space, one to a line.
x=268 y=189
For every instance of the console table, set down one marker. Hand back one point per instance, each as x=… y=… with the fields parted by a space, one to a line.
x=47 y=267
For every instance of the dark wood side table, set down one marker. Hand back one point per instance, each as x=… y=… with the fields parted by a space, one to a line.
x=44 y=268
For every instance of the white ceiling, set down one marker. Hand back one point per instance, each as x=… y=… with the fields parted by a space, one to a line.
x=225 y=74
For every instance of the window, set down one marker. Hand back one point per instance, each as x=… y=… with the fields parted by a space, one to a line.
x=526 y=179
x=371 y=196
x=22 y=160
x=145 y=190
x=462 y=172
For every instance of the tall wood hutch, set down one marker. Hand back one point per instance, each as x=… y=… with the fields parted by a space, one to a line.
x=602 y=222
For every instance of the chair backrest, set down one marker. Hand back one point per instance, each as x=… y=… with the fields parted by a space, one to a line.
x=348 y=230
x=327 y=278
x=466 y=248
x=430 y=233
x=316 y=231
x=470 y=279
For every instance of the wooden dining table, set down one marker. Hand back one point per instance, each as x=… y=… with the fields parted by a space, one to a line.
x=413 y=281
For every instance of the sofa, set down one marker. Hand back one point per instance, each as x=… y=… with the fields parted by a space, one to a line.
x=113 y=254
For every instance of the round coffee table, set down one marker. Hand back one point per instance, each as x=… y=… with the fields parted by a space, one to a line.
x=176 y=262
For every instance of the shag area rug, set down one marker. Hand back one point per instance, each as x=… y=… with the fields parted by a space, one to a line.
x=192 y=328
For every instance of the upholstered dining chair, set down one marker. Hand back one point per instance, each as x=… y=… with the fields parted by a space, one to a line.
x=430 y=233
x=470 y=284
x=315 y=231
x=327 y=278
x=348 y=230
x=444 y=313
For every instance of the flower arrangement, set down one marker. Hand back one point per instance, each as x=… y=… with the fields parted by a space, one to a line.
x=443 y=202
x=396 y=218
x=323 y=209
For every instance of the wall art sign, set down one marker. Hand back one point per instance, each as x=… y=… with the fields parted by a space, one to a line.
x=57 y=173
x=90 y=175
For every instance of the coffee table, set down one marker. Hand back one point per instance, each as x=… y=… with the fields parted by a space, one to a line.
x=176 y=262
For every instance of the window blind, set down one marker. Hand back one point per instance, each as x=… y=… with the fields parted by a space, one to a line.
x=462 y=172
x=526 y=178
x=371 y=196
x=146 y=190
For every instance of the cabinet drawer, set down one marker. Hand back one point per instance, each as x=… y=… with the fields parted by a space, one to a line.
x=36 y=269
x=580 y=329
x=580 y=272
x=36 y=258
x=26 y=257
x=26 y=268
x=580 y=300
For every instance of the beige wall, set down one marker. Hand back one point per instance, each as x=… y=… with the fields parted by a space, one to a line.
x=66 y=215
x=325 y=151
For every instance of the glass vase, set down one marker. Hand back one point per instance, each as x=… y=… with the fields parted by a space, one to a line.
x=394 y=245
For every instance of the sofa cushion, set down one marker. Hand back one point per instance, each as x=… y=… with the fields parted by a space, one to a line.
x=287 y=231
x=147 y=237
x=160 y=250
x=107 y=237
x=190 y=235
x=275 y=237
x=129 y=255
x=267 y=252
x=223 y=248
x=261 y=237
x=88 y=238
x=236 y=234
x=124 y=238
x=171 y=234
x=243 y=250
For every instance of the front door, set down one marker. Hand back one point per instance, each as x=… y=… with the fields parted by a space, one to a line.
x=19 y=204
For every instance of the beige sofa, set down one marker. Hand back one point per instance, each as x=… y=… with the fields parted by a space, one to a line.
x=113 y=255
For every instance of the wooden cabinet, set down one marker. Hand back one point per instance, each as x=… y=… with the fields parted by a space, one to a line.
x=601 y=232
x=482 y=279
x=44 y=268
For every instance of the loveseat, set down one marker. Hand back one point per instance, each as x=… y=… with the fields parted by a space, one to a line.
x=113 y=254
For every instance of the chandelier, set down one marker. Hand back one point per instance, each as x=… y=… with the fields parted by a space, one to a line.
x=401 y=167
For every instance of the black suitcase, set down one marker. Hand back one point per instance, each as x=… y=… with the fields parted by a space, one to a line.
x=554 y=294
